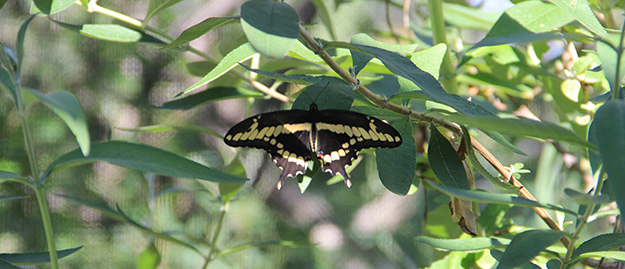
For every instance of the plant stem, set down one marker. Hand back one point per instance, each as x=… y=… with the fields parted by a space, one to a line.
x=448 y=72
x=47 y=225
x=619 y=52
x=222 y=216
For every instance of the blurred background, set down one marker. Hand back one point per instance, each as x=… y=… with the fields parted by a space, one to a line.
x=119 y=86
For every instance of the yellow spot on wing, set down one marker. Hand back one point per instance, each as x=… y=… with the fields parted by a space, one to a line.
x=262 y=133
x=364 y=133
x=297 y=127
x=237 y=136
x=278 y=130
x=348 y=131
x=356 y=131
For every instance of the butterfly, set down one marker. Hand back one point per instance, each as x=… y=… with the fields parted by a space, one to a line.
x=292 y=137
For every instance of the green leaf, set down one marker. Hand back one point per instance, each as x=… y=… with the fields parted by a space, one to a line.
x=99 y=206
x=7 y=85
x=601 y=242
x=609 y=125
x=9 y=176
x=518 y=127
x=492 y=218
x=554 y=264
x=149 y=232
x=2 y=2
x=200 y=29
x=527 y=245
x=295 y=79
x=211 y=95
x=609 y=60
x=324 y=15
x=463 y=244
x=228 y=190
x=528 y=21
x=13 y=197
x=377 y=112
x=615 y=255
x=68 y=108
x=114 y=33
x=6 y=265
x=271 y=27
x=157 y=6
x=445 y=162
x=584 y=198
x=50 y=7
x=19 y=45
x=468 y=17
x=489 y=197
x=143 y=158
x=149 y=258
x=326 y=95
x=581 y=11
x=34 y=258
x=364 y=39
x=162 y=128
x=497 y=254
x=230 y=61
x=396 y=166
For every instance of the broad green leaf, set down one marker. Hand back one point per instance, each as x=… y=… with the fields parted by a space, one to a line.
x=463 y=244
x=113 y=32
x=324 y=15
x=396 y=166
x=453 y=260
x=468 y=17
x=228 y=190
x=430 y=60
x=554 y=264
x=490 y=197
x=50 y=7
x=296 y=79
x=99 y=206
x=211 y=95
x=478 y=166
x=271 y=27
x=445 y=162
x=527 y=245
x=157 y=6
x=230 y=61
x=497 y=254
x=149 y=258
x=200 y=68
x=200 y=29
x=68 y=108
x=609 y=60
x=326 y=96
x=13 y=197
x=143 y=158
x=162 y=128
x=149 y=232
x=19 y=45
x=609 y=125
x=581 y=11
x=584 y=198
x=600 y=243
x=518 y=127
x=528 y=21
x=7 y=85
x=34 y=258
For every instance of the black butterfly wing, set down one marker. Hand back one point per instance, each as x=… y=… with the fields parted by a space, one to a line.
x=285 y=135
x=341 y=134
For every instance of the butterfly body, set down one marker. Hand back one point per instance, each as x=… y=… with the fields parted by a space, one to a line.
x=291 y=137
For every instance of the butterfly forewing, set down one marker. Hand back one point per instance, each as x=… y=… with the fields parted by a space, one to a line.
x=334 y=136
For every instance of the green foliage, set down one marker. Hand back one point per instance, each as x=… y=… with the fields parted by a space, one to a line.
x=129 y=152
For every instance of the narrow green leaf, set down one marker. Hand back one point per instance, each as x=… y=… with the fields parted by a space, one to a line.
x=149 y=258
x=8 y=58
x=364 y=39
x=6 y=265
x=211 y=95
x=115 y=33
x=492 y=218
x=469 y=17
x=615 y=255
x=157 y=6
x=162 y=128
x=609 y=60
x=581 y=11
x=9 y=176
x=230 y=61
x=271 y=27
x=19 y=45
x=7 y=85
x=497 y=254
x=445 y=162
x=601 y=242
x=463 y=244
x=324 y=15
x=396 y=166
x=150 y=232
x=99 y=206
x=296 y=79
x=50 y=7
x=488 y=197
x=518 y=127
x=143 y=158
x=34 y=258
x=609 y=126
x=200 y=29
x=68 y=108
x=13 y=197
x=228 y=190
x=584 y=198
x=527 y=245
